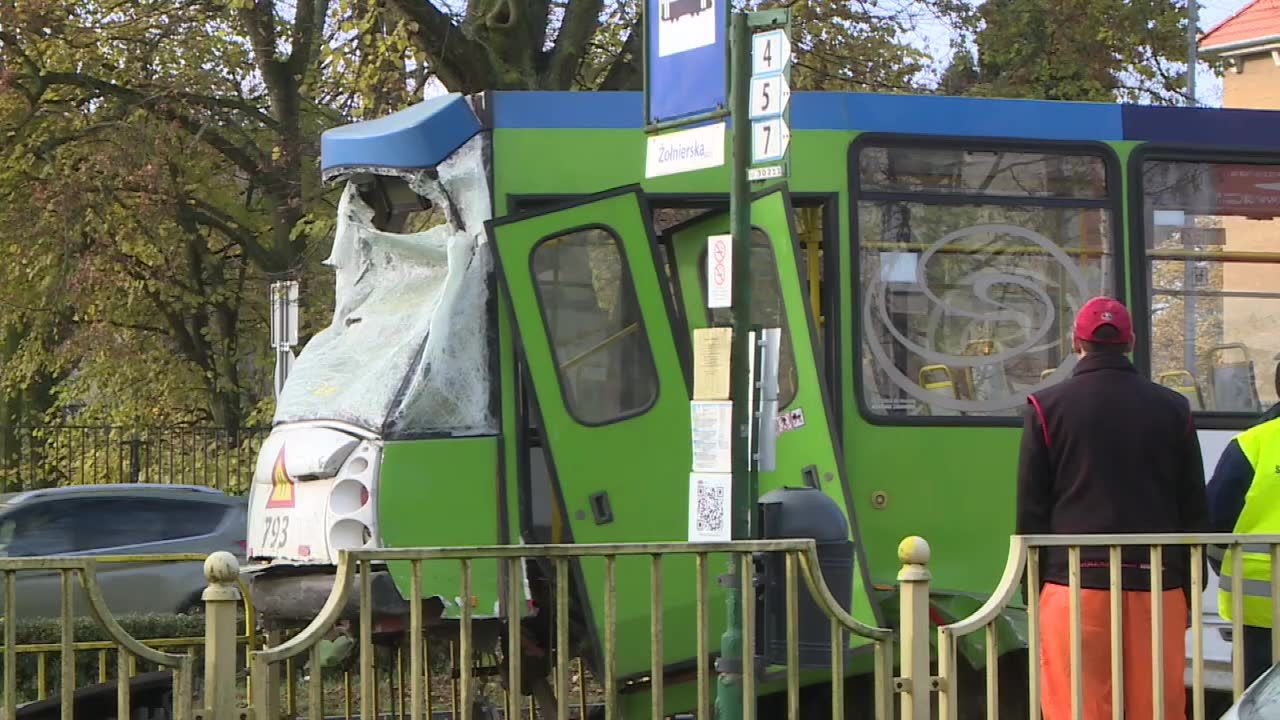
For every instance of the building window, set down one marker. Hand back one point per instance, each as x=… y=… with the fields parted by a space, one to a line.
x=1212 y=245
x=972 y=263
x=593 y=322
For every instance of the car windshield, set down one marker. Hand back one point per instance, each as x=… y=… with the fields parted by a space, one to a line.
x=406 y=351
x=38 y=529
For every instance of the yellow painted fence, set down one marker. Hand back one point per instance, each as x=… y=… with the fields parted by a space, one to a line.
x=427 y=672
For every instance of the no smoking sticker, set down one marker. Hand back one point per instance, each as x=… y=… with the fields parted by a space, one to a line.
x=788 y=421
x=719 y=271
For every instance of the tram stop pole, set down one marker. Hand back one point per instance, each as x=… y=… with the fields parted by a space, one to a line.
x=686 y=89
x=731 y=693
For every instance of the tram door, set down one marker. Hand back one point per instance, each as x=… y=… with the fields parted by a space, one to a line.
x=596 y=336
x=602 y=343
x=806 y=450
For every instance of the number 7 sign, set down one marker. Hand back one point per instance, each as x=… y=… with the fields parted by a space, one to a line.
x=769 y=140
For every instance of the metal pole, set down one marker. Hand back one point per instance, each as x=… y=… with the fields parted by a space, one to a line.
x=1188 y=270
x=1193 y=21
x=740 y=217
x=729 y=693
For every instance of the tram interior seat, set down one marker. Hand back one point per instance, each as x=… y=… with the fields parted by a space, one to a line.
x=937 y=379
x=1183 y=382
x=967 y=383
x=1235 y=387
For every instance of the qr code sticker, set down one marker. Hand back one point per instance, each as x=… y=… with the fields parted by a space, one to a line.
x=709 y=496
x=710 y=508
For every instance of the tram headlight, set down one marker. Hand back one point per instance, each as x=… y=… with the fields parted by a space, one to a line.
x=351 y=518
x=348 y=534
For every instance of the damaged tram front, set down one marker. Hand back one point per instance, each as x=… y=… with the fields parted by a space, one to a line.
x=390 y=408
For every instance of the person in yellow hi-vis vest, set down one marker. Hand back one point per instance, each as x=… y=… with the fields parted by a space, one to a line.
x=1244 y=497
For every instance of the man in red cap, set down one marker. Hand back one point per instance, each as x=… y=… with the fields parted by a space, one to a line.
x=1109 y=452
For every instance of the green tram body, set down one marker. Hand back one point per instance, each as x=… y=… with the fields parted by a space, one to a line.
x=909 y=425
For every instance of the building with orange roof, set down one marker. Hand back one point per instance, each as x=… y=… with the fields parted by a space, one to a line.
x=1249 y=41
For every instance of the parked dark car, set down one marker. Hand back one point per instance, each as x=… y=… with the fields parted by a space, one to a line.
x=99 y=520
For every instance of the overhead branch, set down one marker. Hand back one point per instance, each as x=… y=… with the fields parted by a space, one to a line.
x=624 y=72
x=457 y=60
x=238 y=155
x=12 y=44
x=307 y=27
x=140 y=327
x=259 y=19
x=581 y=20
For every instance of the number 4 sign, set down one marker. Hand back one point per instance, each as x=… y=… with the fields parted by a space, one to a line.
x=770 y=52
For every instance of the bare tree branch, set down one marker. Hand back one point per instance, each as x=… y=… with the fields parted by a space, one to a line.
x=625 y=72
x=238 y=155
x=457 y=60
x=581 y=19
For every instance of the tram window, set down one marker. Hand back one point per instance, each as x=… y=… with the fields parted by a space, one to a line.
x=593 y=322
x=1212 y=241
x=975 y=171
x=972 y=264
x=767 y=309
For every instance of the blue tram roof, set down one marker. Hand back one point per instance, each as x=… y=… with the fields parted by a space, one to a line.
x=419 y=136
x=422 y=135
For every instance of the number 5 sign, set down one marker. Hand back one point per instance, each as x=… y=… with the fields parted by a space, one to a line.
x=769 y=95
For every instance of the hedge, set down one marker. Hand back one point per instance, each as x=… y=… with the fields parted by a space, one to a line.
x=48 y=631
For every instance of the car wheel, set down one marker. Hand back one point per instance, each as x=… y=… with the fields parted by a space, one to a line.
x=193 y=606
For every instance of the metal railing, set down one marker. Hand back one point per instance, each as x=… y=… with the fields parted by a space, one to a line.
x=1024 y=566
x=471 y=639
x=129 y=647
x=34 y=457
x=801 y=561
x=178 y=654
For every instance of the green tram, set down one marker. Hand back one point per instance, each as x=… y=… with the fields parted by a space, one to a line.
x=509 y=356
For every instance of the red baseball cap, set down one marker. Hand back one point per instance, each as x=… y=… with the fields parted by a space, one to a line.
x=1101 y=311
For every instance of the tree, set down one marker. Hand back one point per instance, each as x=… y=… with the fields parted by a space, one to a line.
x=1099 y=50
x=594 y=45
x=961 y=75
x=166 y=153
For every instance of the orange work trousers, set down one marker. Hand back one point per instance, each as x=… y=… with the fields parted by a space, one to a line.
x=1095 y=614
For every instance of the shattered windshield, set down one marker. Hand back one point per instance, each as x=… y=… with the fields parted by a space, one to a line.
x=406 y=352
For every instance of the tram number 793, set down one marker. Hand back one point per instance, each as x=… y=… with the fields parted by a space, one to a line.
x=275 y=532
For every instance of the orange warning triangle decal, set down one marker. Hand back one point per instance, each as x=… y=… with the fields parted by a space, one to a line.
x=281 y=485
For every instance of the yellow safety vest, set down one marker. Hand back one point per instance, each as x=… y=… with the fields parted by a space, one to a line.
x=1260 y=516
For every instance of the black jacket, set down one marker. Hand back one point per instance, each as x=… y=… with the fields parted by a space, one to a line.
x=1108 y=451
